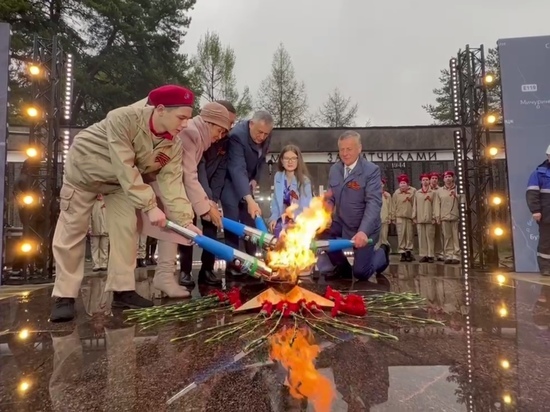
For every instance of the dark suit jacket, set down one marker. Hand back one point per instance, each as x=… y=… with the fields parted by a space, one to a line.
x=357 y=200
x=212 y=169
x=245 y=160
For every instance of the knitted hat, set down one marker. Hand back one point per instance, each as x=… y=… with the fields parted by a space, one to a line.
x=216 y=114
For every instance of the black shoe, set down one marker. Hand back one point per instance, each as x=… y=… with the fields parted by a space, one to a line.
x=448 y=262
x=103 y=269
x=207 y=277
x=340 y=272
x=423 y=260
x=151 y=262
x=186 y=279
x=96 y=270
x=455 y=262
x=403 y=257
x=129 y=299
x=140 y=263
x=440 y=259
x=63 y=310
x=386 y=250
x=430 y=260
x=409 y=256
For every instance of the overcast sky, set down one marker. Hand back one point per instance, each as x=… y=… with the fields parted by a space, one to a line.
x=386 y=55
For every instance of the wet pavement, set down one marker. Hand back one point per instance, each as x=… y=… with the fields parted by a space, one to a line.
x=493 y=355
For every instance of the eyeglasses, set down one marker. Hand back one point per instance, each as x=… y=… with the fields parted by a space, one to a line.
x=290 y=159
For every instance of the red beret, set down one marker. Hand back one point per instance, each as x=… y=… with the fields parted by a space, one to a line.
x=403 y=178
x=449 y=173
x=434 y=174
x=171 y=96
x=424 y=176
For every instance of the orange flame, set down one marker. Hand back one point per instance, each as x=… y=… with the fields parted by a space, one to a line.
x=292 y=254
x=296 y=351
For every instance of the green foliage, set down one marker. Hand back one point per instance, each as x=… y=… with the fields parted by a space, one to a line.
x=282 y=95
x=441 y=111
x=215 y=65
x=338 y=111
x=122 y=49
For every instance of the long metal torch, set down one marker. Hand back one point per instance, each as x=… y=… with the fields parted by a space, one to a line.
x=245 y=262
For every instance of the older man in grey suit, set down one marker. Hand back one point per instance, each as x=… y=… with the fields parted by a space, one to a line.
x=355 y=192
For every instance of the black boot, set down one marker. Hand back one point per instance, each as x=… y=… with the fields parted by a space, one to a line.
x=186 y=279
x=424 y=259
x=409 y=256
x=130 y=299
x=63 y=310
x=208 y=277
x=140 y=263
x=403 y=257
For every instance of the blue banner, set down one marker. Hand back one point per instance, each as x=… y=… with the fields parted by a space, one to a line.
x=525 y=80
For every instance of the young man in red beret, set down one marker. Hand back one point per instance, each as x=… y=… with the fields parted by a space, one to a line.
x=449 y=215
x=385 y=216
x=425 y=210
x=402 y=208
x=438 y=245
x=110 y=158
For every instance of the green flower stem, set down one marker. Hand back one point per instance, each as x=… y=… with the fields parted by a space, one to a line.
x=263 y=338
x=192 y=335
x=266 y=318
x=355 y=326
x=225 y=333
x=318 y=328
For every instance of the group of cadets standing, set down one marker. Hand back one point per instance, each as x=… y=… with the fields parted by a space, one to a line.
x=433 y=209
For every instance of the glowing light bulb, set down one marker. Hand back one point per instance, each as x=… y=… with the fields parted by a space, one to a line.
x=26 y=247
x=503 y=312
x=505 y=364
x=24 y=334
x=501 y=279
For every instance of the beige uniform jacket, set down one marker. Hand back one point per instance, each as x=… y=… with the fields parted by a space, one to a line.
x=426 y=206
x=450 y=204
x=402 y=203
x=385 y=212
x=196 y=139
x=115 y=152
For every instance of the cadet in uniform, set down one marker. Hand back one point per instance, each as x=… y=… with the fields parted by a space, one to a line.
x=449 y=216
x=385 y=216
x=211 y=169
x=209 y=126
x=402 y=208
x=99 y=238
x=438 y=245
x=141 y=251
x=110 y=157
x=425 y=210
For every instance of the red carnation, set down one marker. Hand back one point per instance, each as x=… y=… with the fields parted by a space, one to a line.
x=267 y=308
x=333 y=294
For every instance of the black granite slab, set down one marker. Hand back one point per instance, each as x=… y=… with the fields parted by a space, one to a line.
x=481 y=361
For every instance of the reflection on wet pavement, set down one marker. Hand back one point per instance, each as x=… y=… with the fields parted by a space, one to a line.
x=100 y=363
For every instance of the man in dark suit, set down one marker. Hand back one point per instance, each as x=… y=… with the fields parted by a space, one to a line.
x=355 y=192
x=211 y=171
x=247 y=148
